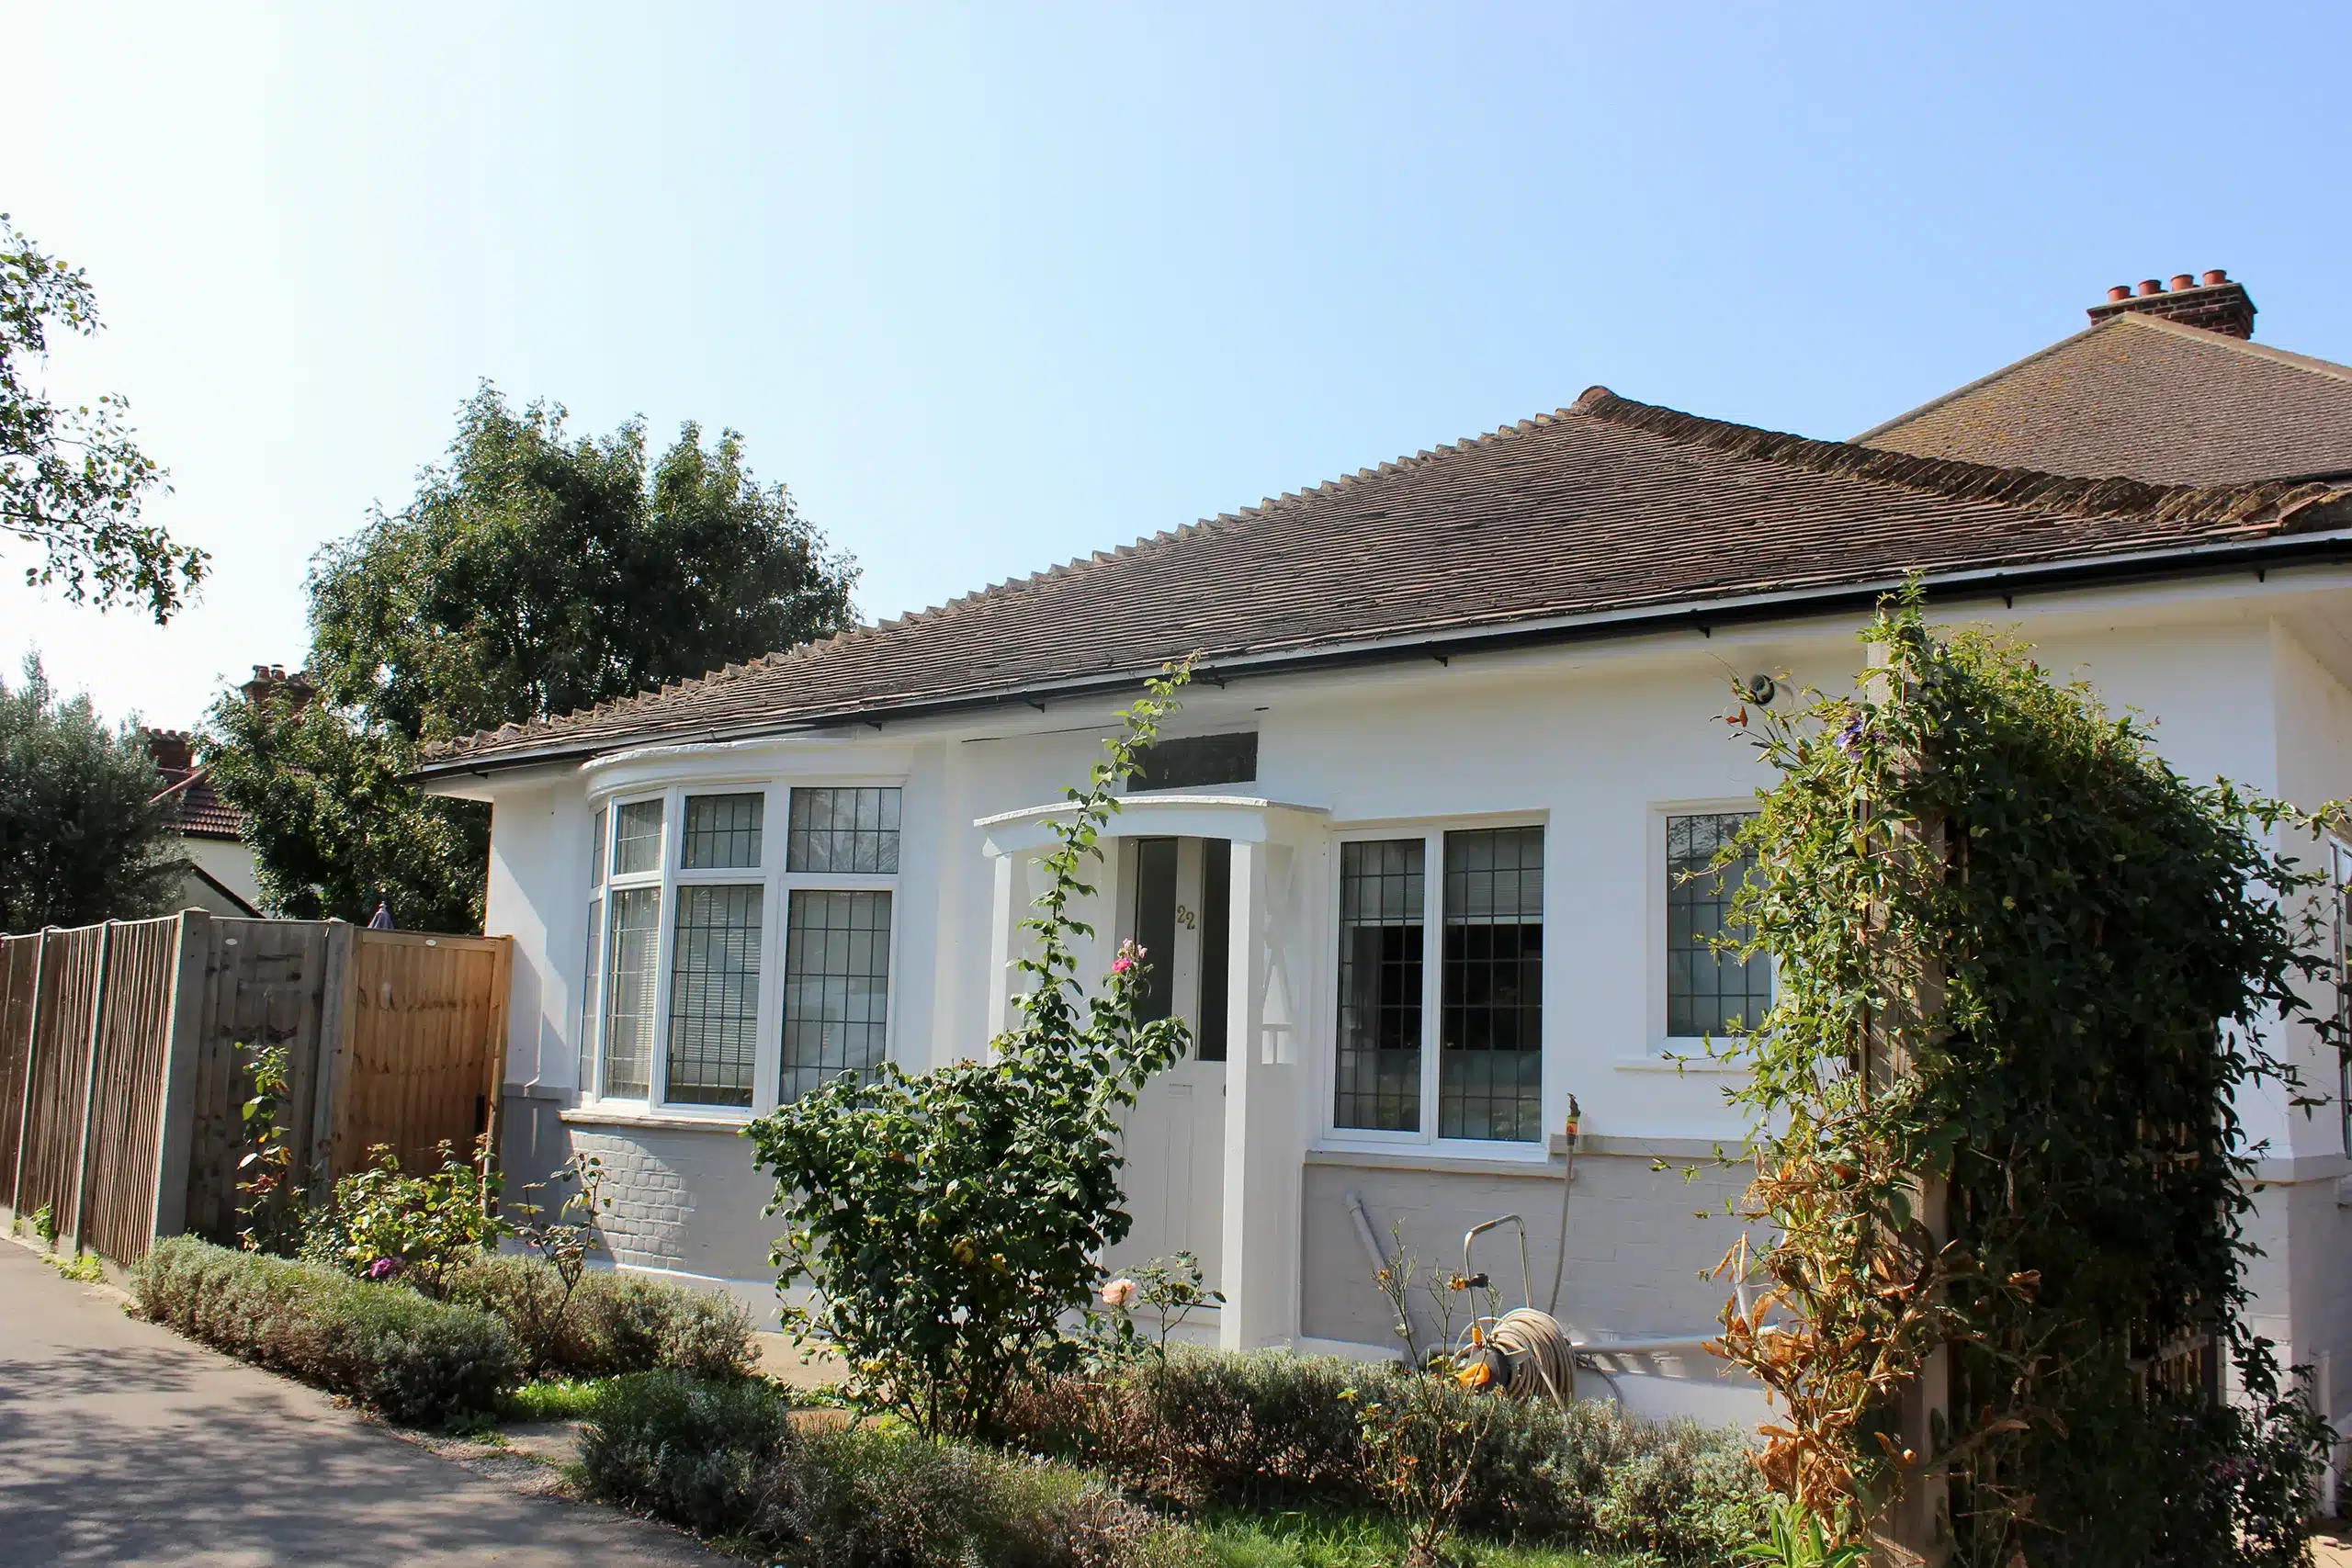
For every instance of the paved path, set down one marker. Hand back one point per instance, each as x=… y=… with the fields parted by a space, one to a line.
x=122 y=1443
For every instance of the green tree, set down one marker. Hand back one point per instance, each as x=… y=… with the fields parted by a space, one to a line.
x=332 y=825
x=532 y=574
x=70 y=479
x=535 y=573
x=79 y=837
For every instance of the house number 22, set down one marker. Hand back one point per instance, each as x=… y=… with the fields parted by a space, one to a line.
x=1186 y=918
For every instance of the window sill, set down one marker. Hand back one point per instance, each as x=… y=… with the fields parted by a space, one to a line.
x=593 y=1116
x=1532 y=1162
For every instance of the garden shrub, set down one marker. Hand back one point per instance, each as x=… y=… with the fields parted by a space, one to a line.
x=418 y=1362
x=697 y=1454
x=1266 y=1430
x=612 y=1322
x=724 y=1459
x=2028 y=972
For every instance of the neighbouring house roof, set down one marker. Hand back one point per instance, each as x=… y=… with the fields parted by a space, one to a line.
x=2154 y=398
x=194 y=810
x=1604 y=508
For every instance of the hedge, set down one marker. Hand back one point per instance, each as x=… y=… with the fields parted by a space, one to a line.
x=418 y=1362
x=1268 y=1430
x=725 y=1459
x=614 y=1323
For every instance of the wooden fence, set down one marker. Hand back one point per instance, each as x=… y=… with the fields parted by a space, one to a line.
x=127 y=1054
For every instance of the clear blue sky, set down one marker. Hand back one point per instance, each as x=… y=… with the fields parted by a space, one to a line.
x=993 y=286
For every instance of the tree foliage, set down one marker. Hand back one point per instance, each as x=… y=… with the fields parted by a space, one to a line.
x=2027 y=969
x=334 y=826
x=948 y=1222
x=532 y=574
x=79 y=838
x=535 y=573
x=72 y=480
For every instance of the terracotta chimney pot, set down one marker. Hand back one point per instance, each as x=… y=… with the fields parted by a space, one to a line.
x=2149 y=286
x=2183 y=280
x=2216 y=278
x=2120 y=292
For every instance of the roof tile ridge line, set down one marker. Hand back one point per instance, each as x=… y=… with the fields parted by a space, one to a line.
x=1979 y=483
x=1985 y=380
x=2328 y=369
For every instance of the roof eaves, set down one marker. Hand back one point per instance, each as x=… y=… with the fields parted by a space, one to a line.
x=2330 y=544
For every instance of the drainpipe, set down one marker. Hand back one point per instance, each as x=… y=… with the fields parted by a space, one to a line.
x=90 y=1084
x=1379 y=1261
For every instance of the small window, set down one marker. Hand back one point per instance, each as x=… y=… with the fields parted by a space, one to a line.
x=713 y=995
x=1380 y=985
x=1709 y=989
x=635 y=945
x=637 y=844
x=836 y=985
x=1217 y=945
x=852 y=830
x=1191 y=761
x=723 y=831
x=1490 y=1079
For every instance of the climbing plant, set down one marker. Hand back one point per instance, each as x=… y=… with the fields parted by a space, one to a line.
x=2026 y=972
x=950 y=1224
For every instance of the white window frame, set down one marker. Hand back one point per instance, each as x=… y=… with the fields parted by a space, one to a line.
x=775 y=886
x=1433 y=832
x=1678 y=1053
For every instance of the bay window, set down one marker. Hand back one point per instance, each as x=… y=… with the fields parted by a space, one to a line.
x=1441 y=985
x=695 y=994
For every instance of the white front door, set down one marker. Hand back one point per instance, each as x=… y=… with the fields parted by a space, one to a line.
x=1175 y=904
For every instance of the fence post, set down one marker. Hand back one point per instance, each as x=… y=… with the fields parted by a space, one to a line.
x=336 y=1005
x=25 y=1103
x=90 y=1082
x=183 y=1037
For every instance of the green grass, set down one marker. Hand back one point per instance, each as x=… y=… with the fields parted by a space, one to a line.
x=1331 y=1537
x=556 y=1399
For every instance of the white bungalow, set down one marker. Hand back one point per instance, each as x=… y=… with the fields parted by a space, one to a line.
x=1409 y=856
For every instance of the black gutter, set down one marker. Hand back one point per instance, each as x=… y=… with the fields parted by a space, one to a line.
x=2259 y=556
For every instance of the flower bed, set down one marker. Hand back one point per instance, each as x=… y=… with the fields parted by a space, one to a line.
x=725 y=1459
x=423 y=1361
x=1208 y=1430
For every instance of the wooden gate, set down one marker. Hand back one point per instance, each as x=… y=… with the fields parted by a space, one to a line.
x=424 y=1047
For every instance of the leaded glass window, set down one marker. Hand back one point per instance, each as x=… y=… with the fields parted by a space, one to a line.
x=1710 y=990
x=637 y=838
x=836 y=985
x=843 y=829
x=588 y=1000
x=713 y=995
x=632 y=980
x=1490 y=1031
x=1381 y=891
x=722 y=831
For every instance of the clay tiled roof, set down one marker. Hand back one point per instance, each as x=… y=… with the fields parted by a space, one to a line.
x=193 y=808
x=1605 y=508
x=2147 y=397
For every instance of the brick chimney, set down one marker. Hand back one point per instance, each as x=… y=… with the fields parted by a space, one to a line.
x=170 y=750
x=269 y=680
x=2213 y=302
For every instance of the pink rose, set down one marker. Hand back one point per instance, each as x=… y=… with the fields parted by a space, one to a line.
x=1118 y=1292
